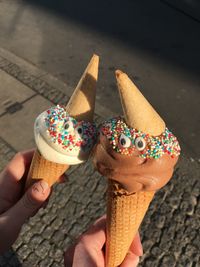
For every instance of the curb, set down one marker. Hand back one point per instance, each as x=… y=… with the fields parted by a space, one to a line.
x=41 y=81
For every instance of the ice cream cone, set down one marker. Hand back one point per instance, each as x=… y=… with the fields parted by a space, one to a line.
x=125 y=213
x=82 y=103
x=125 y=210
x=44 y=169
x=81 y=107
x=138 y=112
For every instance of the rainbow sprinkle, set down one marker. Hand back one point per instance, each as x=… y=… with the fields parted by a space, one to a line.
x=68 y=132
x=126 y=140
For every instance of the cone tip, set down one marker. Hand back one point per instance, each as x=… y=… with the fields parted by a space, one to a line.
x=138 y=111
x=95 y=57
x=118 y=73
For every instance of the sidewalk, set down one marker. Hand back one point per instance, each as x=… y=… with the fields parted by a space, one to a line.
x=170 y=231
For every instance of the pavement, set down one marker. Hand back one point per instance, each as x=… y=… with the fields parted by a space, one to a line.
x=34 y=75
x=155 y=44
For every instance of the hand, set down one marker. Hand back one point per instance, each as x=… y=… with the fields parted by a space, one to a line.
x=16 y=207
x=88 y=252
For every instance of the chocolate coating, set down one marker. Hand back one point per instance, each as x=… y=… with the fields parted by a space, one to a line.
x=133 y=172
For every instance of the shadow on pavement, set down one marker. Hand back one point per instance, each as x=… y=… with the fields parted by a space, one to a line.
x=10 y=259
x=148 y=25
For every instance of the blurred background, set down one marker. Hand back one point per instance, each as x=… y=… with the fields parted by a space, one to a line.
x=45 y=46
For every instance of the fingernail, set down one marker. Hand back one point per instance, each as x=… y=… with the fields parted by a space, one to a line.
x=41 y=187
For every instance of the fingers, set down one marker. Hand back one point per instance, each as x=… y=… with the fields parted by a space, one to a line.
x=131 y=260
x=15 y=169
x=132 y=257
x=97 y=230
x=136 y=246
x=12 y=220
x=26 y=207
x=88 y=251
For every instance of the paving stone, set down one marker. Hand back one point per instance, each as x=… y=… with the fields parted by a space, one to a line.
x=168 y=260
x=24 y=66
x=48 y=91
x=32 y=260
x=75 y=230
x=18 y=243
x=12 y=69
x=57 y=236
x=18 y=73
x=186 y=262
x=24 y=251
x=26 y=228
x=14 y=125
x=36 y=240
x=57 y=254
x=56 y=224
x=43 y=249
x=47 y=233
x=33 y=221
x=68 y=241
x=156 y=251
x=38 y=228
x=27 y=237
x=192 y=251
x=55 y=264
x=149 y=262
x=160 y=222
x=4 y=62
x=46 y=262
x=12 y=91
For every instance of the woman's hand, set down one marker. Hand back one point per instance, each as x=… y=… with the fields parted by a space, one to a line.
x=89 y=251
x=16 y=207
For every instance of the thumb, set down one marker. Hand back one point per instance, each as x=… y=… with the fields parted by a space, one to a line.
x=13 y=219
x=28 y=205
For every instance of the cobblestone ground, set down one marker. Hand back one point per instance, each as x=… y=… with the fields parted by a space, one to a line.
x=170 y=231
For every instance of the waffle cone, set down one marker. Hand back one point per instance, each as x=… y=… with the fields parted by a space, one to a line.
x=138 y=112
x=125 y=213
x=43 y=169
x=82 y=102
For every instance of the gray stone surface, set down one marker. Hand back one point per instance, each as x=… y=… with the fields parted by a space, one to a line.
x=154 y=43
x=17 y=128
x=170 y=231
x=191 y=8
x=12 y=91
x=172 y=222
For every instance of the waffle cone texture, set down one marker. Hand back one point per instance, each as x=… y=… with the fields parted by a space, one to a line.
x=43 y=169
x=125 y=213
x=138 y=112
x=82 y=102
